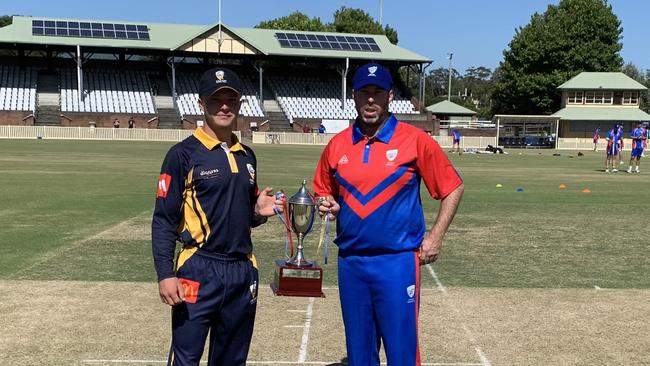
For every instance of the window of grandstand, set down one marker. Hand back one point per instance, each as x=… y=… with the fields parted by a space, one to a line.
x=630 y=98
x=575 y=97
x=598 y=97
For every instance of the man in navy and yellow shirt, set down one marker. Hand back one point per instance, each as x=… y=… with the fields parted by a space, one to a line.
x=208 y=200
x=369 y=176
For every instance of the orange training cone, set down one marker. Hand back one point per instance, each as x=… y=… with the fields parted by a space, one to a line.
x=562 y=186
x=586 y=190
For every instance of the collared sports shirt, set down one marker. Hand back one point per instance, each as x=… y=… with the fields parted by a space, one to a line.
x=637 y=137
x=377 y=183
x=205 y=199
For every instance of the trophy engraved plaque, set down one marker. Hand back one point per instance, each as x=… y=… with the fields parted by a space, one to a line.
x=297 y=276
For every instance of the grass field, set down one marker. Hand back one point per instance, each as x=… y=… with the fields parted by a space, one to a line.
x=539 y=277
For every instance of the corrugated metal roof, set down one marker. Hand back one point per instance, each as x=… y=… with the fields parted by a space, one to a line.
x=162 y=36
x=602 y=80
x=447 y=107
x=602 y=114
x=265 y=41
x=167 y=36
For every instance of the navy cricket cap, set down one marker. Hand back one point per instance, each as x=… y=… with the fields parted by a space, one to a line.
x=217 y=78
x=372 y=74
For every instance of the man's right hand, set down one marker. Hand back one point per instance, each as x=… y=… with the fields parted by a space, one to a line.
x=171 y=291
x=328 y=206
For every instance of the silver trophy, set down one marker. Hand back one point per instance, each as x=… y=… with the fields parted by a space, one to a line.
x=302 y=208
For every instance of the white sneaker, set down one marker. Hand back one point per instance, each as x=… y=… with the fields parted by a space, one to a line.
x=606 y=170
x=614 y=170
x=637 y=170
x=629 y=170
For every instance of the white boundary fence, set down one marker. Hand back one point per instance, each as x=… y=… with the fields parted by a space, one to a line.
x=94 y=133
x=587 y=144
x=478 y=142
x=291 y=138
x=285 y=138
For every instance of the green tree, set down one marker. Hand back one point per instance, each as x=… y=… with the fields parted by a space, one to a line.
x=295 y=21
x=346 y=20
x=635 y=73
x=571 y=37
x=349 y=20
x=5 y=20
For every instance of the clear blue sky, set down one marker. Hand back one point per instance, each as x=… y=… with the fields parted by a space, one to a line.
x=476 y=31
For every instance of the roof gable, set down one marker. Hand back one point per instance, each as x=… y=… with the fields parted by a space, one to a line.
x=447 y=107
x=602 y=80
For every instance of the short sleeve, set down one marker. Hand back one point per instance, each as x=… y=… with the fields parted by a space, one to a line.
x=440 y=177
x=324 y=182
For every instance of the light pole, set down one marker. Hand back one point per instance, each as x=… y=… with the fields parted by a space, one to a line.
x=449 y=89
x=381 y=12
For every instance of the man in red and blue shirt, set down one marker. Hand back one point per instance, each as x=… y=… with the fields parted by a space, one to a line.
x=638 y=136
x=613 y=148
x=369 y=177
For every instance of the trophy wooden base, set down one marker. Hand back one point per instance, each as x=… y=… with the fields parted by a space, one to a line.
x=297 y=281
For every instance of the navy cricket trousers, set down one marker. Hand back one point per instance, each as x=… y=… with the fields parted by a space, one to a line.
x=220 y=299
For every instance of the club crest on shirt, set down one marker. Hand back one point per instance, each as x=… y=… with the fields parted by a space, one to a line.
x=251 y=170
x=391 y=154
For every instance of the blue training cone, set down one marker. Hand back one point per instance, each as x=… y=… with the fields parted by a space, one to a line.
x=519 y=189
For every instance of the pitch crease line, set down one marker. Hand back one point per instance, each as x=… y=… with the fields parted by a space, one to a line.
x=484 y=360
x=302 y=356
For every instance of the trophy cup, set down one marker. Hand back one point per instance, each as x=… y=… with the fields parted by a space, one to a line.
x=298 y=276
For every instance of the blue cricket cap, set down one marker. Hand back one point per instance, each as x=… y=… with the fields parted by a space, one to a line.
x=372 y=74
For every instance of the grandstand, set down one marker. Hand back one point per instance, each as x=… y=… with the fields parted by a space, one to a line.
x=107 y=91
x=17 y=88
x=72 y=72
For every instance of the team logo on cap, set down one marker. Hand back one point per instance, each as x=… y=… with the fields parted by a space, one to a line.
x=219 y=74
x=372 y=70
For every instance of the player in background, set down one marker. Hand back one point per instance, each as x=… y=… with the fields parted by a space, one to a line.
x=638 y=137
x=620 y=144
x=612 y=150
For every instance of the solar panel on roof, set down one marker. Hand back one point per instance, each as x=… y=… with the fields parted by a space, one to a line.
x=327 y=42
x=62 y=28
